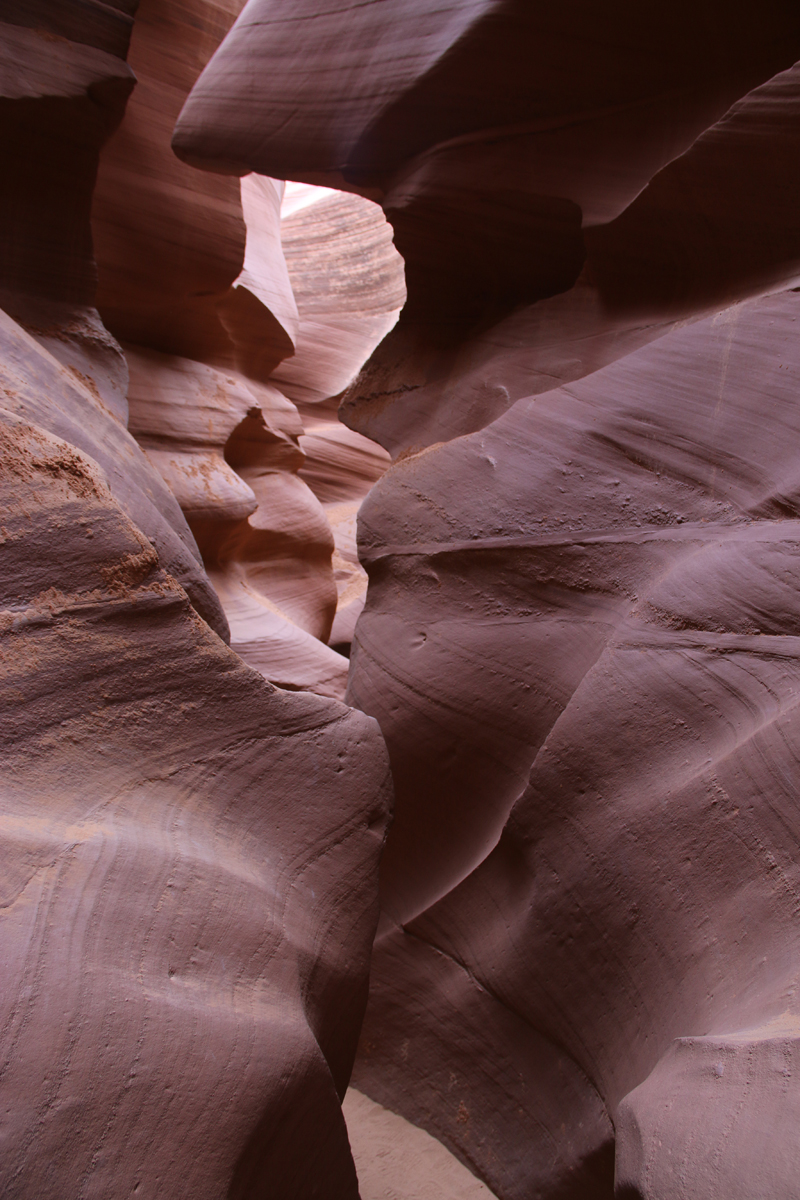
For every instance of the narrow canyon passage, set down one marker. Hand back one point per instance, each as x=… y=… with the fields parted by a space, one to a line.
x=400 y=527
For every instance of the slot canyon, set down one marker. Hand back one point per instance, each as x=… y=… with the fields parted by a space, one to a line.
x=400 y=558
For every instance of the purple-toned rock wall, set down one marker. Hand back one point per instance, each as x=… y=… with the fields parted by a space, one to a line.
x=573 y=458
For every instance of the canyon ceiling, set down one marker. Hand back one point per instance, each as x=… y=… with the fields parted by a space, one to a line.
x=400 y=528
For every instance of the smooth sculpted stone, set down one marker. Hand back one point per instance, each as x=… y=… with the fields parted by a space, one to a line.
x=172 y=263
x=495 y=193
x=580 y=639
x=59 y=102
x=357 y=90
x=63 y=90
x=265 y=272
x=348 y=283
x=743 y=1083
x=341 y=467
x=581 y=643
x=192 y=277
x=714 y=225
x=182 y=413
x=104 y=24
x=718 y=223
x=188 y=904
x=228 y=449
x=413 y=392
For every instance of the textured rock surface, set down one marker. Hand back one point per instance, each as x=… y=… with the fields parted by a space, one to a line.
x=402 y=81
x=341 y=467
x=348 y=284
x=581 y=634
x=228 y=448
x=579 y=637
x=397 y=1161
x=195 y=281
x=713 y=226
x=169 y=245
x=414 y=392
x=189 y=855
x=487 y=188
x=183 y=983
x=595 y=839
x=38 y=388
x=718 y=223
x=63 y=88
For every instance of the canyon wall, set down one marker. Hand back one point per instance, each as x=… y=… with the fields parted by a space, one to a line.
x=190 y=854
x=580 y=635
x=565 y=242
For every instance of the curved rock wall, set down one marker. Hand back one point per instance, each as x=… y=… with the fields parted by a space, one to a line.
x=579 y=635
x=579 y=640
x=228 y=314
x=190 y=854
x=183 y=985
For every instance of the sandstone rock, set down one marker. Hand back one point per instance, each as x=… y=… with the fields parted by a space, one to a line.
x=265 y=638
x=39 y=389
x=655 y=263
x=104 y=24
x=355 y=92
x=742 y=1083
x=341 y=467
x=718 y=223
x=579 y=638
x=182 y=413
x=188 y=909
x=594 y=829
x=414 y=392
x=555 y=139
x=170 y=243
x=340 y=464
x=193 y=277
x=62 y=93
x=285 y=546
x=348 y=283
x=60 y=100
x=183 y=982
x=228 y=449
x=579 y=632
x=265 y=272
x=395 y=1159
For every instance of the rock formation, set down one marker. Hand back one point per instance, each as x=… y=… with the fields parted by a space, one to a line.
x=190 y=855
x=222 y=332
x=183 y=985
x=572 y=464
x=579 y=637
x=618 y=772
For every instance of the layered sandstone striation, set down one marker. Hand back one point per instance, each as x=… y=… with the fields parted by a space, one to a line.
x=229 y=315
x=580 y=634
x=190 y=854
x=183 y=983
x=618 y=771
x=568 y=473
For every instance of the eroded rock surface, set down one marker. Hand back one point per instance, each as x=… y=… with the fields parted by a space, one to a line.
x=595 y=836
x=189 y=854
x=579 y=636
x=183 y=982
x=579 y=640
x=223 y=331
